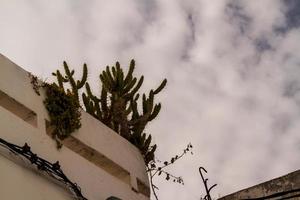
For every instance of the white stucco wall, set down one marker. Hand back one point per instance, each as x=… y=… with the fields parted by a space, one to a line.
x=21 y=181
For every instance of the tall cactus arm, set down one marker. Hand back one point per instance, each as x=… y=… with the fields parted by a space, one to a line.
x=150 y=155
x=130 y=71
x=103 y=100
x=120 y=80
x=96 y=103
x=128 y=110
x=114 y=72
x=118 y=71
x=155 y=112
x=137 y=87
x=88 y=89
x=87 y=104
x=136 y=97
x=132 y=63
x=145 y=104
x=150 y=101
x=118 y=77
x=135 y=113
x=60 y=79
x=81 y=83
x=147 y=144
x=143 y=139
x=108 y=75
x=105 y=83
x=90 y=94
x=148 y=104
x=118 y=67
x=64 y=79
x=162 y=85
x=70 y=77
x=98 y=111
x=129 y=86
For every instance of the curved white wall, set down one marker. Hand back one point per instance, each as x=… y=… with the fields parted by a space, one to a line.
x=101 y=162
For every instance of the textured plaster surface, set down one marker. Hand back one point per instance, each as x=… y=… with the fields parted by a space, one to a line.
x=288 y=182
x=20 y=181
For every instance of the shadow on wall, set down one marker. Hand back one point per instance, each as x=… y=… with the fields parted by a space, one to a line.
x=113 y=198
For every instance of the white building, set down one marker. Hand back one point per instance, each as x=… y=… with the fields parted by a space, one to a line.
x=98 y=160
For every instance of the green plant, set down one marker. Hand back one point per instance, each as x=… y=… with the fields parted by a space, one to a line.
x=117 y=106
x=34 y=83
x=63 y=105
x=68 y=78
x=158 y=168
x=64 y=112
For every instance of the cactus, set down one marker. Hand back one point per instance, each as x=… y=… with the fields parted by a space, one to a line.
x=63 y=110
x=118 y=106
x=75 y=85
x=63 y=106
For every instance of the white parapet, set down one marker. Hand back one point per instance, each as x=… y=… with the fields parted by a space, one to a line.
x=100 y=161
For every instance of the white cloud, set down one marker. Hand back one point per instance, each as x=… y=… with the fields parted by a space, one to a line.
x=233 y=77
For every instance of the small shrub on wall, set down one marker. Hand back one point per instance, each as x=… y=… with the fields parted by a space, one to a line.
x=64 y=112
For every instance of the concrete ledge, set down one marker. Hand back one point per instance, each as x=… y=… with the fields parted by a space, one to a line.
x=18 y=109
x=93 y=156
x=98 y=159
x=284 y=183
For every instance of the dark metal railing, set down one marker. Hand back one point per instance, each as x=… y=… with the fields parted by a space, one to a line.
x=52 y=169
x=205 y=182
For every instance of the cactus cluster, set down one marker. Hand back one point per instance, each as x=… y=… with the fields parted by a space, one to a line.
x=75 y=85
x=117 y=106
x=63 y=105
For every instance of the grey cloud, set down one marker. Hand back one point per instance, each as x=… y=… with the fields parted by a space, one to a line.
x=237 y=16
x=233 y=87
x=292 y=13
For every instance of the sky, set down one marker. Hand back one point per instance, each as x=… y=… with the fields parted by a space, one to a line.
x=233 y=70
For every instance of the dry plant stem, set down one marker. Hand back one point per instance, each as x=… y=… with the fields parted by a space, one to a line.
x=153 y=170
x=175 y=177
x=205 y=180
x=156 y=170
x=153 y=186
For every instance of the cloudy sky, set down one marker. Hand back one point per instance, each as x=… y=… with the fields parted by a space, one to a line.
x=233 y=70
